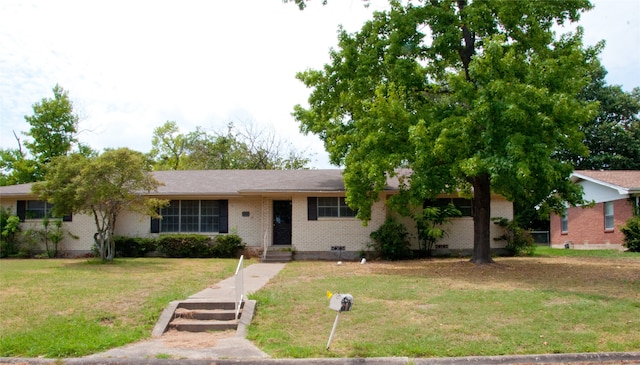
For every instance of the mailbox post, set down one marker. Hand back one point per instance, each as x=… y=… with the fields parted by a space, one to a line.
x=339 y=303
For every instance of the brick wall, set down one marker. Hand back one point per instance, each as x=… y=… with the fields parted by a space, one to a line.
x=586 y=227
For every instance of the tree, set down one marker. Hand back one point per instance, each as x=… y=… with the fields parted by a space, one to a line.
x=238 y=148
x=54 y=126
x=471 y=97
x=613 y=136
x=101 y=186
x=167 y=146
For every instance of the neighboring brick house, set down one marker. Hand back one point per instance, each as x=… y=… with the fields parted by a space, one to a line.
x=615 y=195
x=301 y=209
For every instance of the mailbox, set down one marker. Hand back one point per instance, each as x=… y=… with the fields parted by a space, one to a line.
x=341 y=302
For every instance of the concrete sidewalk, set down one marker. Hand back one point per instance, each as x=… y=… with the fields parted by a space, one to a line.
x=184 y=345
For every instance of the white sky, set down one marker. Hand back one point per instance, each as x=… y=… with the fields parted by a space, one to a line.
x=129 y=66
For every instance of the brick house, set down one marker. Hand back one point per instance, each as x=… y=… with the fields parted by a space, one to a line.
x=303 y=210
x=615 y=195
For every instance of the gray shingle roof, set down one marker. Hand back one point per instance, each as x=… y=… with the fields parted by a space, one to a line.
x=235 y=182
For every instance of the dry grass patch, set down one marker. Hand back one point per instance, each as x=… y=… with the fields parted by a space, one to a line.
x=452 y=307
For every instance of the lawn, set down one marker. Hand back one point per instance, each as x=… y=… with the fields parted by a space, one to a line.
x=69 y=308
x=424 y=308
x=450 y=307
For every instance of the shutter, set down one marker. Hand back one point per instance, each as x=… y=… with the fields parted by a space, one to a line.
x=312 y=208
x=224 y=216
x=155 y=225
x=21 y=209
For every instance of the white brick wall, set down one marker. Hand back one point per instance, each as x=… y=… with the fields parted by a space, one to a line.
x=321 y=234
x=309 y=236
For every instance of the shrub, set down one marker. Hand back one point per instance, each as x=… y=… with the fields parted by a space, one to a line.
x=520 y=242
x=9 y=229
x=185 y=245
x=390 y=241
x=631 y=233
x=134 y=246
x=227 y=246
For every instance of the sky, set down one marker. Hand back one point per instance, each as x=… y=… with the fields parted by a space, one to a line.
x=130 y=66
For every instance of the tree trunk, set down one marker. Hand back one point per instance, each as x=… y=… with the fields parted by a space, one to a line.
x=481 y=219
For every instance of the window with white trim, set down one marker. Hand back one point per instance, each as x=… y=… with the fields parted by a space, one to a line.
x=608 y=216
x=564 y=222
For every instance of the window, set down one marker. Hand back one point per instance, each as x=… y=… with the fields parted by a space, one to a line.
x=328 y=207
x=564 y=222
x=36 y=209
x=608 y=216
x=193 y=216
x=465 y=206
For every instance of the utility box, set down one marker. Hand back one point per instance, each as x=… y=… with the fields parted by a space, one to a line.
x=341 y=302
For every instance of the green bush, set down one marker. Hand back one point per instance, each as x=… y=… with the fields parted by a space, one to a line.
x=9 y=229
x=185 y=245
x=134 y=246
x=631 y=233
x=390 y=241
x=227 y=246
x=520 y=242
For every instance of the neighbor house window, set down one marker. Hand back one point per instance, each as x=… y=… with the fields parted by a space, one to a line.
x=329 y=207
x=608 y=216
x=36 y=209
x=564 y=222
x=465 y=206
x=193 y=216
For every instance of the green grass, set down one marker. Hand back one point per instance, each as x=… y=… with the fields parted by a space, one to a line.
x=434 y=308
x=424 y=308
x=548 y=251
x=69 y=308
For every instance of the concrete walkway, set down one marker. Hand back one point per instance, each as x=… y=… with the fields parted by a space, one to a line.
x=185 y=345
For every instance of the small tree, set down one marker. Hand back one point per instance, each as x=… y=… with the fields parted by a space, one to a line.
x=430 y=222
x=103 y=187
x=51 y=234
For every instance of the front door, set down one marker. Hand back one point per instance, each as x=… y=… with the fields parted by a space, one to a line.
x=282 y=222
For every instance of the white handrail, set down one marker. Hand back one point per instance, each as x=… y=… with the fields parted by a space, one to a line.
x=264 y=245
x=239 y=279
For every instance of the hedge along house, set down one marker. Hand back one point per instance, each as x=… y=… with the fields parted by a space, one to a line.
x=301 y=210
x=615 y=194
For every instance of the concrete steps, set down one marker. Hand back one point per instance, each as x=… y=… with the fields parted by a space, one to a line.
x=278 y=255
x=203 y=316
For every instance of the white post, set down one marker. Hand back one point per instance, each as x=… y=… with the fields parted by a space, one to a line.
x=333 y=330
x=239 y=280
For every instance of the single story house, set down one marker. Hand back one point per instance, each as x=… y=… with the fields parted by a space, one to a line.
x=615 y=195
x=303 y=210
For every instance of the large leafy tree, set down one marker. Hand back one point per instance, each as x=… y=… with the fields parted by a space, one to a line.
x=101 y=186
x=53 y=132
x=455 y=95
x=613 y=136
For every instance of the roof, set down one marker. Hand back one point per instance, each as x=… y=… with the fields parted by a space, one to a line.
x=235 y=182
x=625 y=181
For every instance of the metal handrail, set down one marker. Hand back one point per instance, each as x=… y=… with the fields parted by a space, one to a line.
x=264 y=246
x=239 y=279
